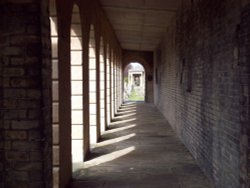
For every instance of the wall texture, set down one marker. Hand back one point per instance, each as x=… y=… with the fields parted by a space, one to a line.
x=25 y=147
x=202 y=85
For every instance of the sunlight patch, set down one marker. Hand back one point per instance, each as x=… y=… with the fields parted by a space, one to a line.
x=109 y=157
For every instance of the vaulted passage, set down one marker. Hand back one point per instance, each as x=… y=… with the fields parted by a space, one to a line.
x=65 y=83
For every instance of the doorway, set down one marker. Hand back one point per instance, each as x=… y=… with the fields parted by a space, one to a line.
x=134 y=82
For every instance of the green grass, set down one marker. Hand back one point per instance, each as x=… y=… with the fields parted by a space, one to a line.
x=135 y=97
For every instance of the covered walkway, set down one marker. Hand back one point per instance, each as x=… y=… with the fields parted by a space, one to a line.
x=63 y=75
x=139 y=150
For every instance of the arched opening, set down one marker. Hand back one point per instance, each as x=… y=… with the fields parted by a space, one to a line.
x=92 y=88
x=76 y=87
x=134 y=82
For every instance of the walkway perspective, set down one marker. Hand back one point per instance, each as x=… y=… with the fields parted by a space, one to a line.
x=139 y=150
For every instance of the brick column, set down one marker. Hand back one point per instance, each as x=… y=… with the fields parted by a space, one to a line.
x=25 y=139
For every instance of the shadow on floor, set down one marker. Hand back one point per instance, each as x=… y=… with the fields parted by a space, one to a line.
x=139 y=150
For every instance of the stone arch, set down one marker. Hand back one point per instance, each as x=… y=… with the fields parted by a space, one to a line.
x=146 y=60
x=140 y=60
x=135 y=81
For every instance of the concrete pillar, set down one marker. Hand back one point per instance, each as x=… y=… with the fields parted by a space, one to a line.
x=93 y=92
x=86 y=119
x=102 y=87
x=111 y=85
x=115 y=84
x=98 y=93
x=55 y=93
x=105 y=85
x=76 y=53
x=108 y=68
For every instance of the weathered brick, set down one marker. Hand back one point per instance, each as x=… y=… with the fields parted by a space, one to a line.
x=15 y=135
x=22 y=40
x=17 y=61
x=28 y=166
x=12 y=184
x=211 y=117
x=18 y=175
x=17 y=156
x=35 y=175
x=26 y=146
x=35 y=156
x=7 y=145
x=14 y=93
x=36 y=184
x=15 y=114
x=21 y=93
x=33 y=29
x=14 y=72
x=23 y=82
x=33 y=114
x=35 y=104
x=32 y=93
x=35 y=136
x=13 y=51
x=24 y=125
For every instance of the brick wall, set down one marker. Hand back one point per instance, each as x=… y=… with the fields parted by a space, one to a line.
x=25 y=95
x=2 y=44
x=46 y=105
x=244 y=38
x=202 y=86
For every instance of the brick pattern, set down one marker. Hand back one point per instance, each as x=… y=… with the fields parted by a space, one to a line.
x=46 y=89
x=3 y=44
x=25 y=95
x=203 y=86
x=244 y=38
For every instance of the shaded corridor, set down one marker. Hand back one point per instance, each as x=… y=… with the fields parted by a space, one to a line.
x=139 y=150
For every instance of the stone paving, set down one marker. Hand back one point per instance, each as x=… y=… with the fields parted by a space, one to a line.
x=139 y=150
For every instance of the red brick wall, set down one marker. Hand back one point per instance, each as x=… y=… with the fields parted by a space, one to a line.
x=203 y=86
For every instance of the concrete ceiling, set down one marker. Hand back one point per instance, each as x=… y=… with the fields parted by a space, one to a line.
x=140 y=24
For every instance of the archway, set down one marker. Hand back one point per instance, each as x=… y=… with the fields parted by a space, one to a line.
x=146 y=60
x=134 y=82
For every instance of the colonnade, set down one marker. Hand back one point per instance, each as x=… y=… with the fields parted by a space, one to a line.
x=93 y=75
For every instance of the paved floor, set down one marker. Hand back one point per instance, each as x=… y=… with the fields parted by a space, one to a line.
x=139 y=150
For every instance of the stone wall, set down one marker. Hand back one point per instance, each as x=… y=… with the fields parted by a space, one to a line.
x=202 y=83
x=25 y=95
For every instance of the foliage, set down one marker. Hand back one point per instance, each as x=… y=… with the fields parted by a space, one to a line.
x=126 y=80
x=134 y=96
